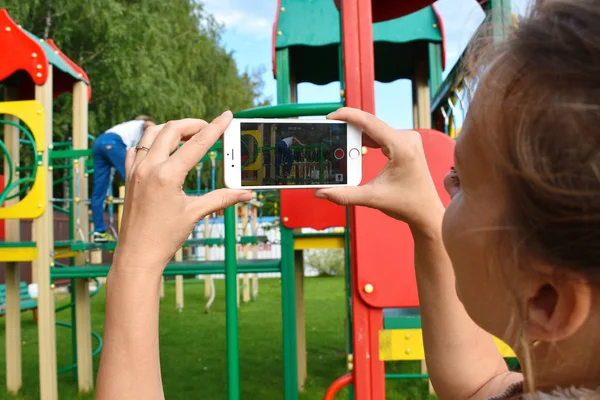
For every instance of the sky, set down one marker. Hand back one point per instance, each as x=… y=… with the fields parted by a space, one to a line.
x=247 y=33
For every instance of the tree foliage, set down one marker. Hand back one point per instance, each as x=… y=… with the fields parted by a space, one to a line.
x=152 y=57
x=329 y=262
x=156 y=57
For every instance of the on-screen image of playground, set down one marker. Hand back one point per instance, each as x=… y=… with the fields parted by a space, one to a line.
x=293 y=153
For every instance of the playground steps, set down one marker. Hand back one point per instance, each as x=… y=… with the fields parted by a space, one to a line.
x=27 y=303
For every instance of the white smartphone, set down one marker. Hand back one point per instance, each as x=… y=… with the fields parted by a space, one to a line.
x=291 y=153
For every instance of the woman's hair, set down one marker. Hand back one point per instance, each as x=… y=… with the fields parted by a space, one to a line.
x=538 y=98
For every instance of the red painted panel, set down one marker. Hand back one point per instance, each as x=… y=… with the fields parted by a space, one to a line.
x=76 y=67
x=384 y=10
x=301 y=209
x=19 y=52
x=394 y=276
x=2 y=228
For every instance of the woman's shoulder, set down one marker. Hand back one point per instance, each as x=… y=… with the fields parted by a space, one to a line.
x=515 y=392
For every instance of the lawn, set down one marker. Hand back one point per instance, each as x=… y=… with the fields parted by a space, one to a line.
x=193 y=346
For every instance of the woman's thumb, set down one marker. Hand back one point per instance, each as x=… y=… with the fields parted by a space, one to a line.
x=217 y=200
x=354 y=195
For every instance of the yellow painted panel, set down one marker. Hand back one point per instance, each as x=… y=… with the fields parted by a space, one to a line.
x=407 y=345
x=401 y=344
x=31 y=113
x=17 y=254
x=326 y=242
x=258 y=163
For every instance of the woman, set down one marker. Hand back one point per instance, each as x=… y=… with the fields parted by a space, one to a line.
x=515 y=255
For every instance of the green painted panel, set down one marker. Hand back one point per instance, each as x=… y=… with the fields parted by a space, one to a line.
x=310 y=30
x=401 y=318
x=317 y=23
x=55 y=59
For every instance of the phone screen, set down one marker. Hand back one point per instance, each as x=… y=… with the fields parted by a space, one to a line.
x=293 y=153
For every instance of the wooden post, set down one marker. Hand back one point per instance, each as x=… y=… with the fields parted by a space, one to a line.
x=246 y=292
x=179 y=283
x=43 y=235
x=421 y=95
x=207 y=257
x=14 y=378
x=255 y=252
x=85 y=368
x=120 y=207
x=300 y=319
x=246 y=248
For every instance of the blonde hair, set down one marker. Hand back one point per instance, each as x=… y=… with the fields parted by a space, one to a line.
x=537 y=100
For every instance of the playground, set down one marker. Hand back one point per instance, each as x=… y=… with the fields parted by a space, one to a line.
x=260 y=351
x=315 y=154
x=239 y=317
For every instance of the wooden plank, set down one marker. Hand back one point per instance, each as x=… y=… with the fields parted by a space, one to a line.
x=85 y=368
x=207 y=278
x=43 y=235
x=14 y=378
x=179 y=283
x=300 y=320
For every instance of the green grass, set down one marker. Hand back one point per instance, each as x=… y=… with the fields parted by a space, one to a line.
x=193 y=346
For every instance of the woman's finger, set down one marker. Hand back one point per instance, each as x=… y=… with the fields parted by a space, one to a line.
x=129 y=159
x=171 y=135
x=375 y=129
x=150 y=134
x=216 y=200
x=192 y=151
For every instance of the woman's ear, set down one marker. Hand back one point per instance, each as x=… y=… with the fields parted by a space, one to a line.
x=557 y=307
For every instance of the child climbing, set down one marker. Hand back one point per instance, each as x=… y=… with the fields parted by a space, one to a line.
x=283 y=153
x=515 y=255
x=109 y=152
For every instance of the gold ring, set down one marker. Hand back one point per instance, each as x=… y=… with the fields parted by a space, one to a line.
x=138 y=147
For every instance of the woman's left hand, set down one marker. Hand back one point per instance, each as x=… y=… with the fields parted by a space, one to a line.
x=158 y=216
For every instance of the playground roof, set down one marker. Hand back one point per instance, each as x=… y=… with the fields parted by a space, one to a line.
x=311 y=30
x=25 y=59
x=384 y=10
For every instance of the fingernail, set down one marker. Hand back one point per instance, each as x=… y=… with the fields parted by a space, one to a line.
x=320 y=195
x=226 y=113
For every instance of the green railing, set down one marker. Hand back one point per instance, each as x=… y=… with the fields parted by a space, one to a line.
x=289 y=110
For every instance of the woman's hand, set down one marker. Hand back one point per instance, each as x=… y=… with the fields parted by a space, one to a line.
x=404 y=188
x=158 y=216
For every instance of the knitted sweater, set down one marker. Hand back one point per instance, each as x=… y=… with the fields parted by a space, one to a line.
x=515 y=392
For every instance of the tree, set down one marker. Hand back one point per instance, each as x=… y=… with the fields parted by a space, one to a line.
x=154 y=57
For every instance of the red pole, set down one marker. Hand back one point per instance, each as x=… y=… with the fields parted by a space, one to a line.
x=365 y=225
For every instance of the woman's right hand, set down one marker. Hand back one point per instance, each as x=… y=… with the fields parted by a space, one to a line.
x=404 y=188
